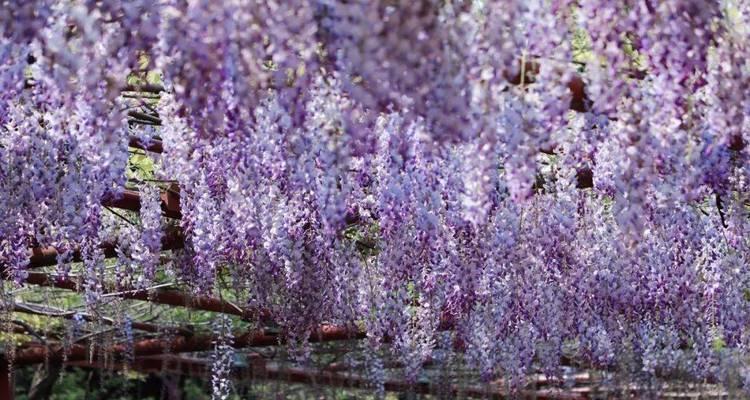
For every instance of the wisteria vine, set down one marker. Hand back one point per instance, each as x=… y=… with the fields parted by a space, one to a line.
x=407 y=167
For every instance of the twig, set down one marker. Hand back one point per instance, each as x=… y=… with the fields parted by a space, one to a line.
x=720 y=207
x=119 y=215
x=116 y=294
x=144 y=117
x=138 y=180
x=149 y=88
x=92 y=334
x=133 y=96
x=29 y=309
x=30 y=330
x=142 y=122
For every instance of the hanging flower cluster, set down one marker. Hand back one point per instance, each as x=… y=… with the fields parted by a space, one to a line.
x=223 y=358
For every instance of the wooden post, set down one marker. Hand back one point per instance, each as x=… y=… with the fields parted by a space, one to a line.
x=7 y=384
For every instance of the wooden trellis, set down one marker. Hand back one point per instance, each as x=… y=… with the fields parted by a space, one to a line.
x=159 y=354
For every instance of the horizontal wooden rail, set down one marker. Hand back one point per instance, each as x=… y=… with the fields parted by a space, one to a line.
x=147 y=88
x=131 y=200
x=259 y=369
x=170 y=297
x=35 y=354
x=154 y=145
x=47 y=256
x=32 y=309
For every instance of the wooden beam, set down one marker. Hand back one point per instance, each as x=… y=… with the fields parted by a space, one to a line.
x=168 y=297
x=33 y=309
x=148 y=88
x=131 y=200
x=35 y=354
x=258 y=369
x=47 y=256
x=154 y=146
